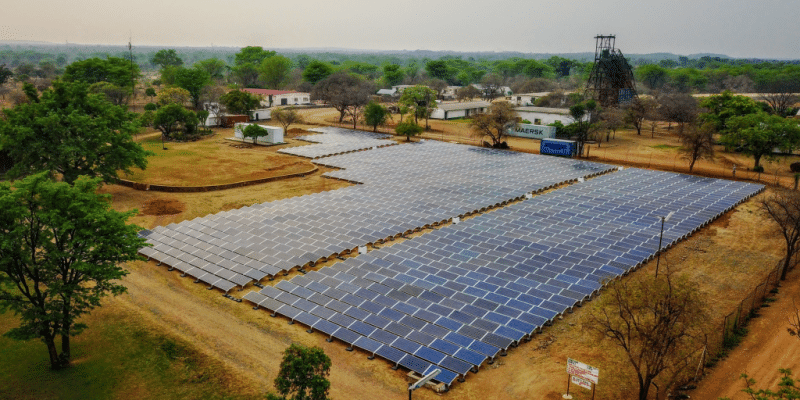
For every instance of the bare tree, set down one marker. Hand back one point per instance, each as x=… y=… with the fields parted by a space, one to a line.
x=680 y=108
x=286 y=117
x=467 y=93
x=784 y=208
x=657 y=322
x=697 y=142
x=491 y=86
x=344 y=92
x=495 y=123
x=794 y=322
x=612 y=119
x=639 y=109
x=439 y=86
x=780 y=94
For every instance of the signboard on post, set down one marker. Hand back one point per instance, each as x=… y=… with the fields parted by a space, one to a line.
x=581 y=382
x=579 y=369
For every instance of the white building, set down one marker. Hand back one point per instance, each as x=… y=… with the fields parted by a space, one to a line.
x=459 y=110
x=271 y=97
x=545 y=115
x=450 y=92
x=525 y=99
x=274 y=133
x=501 y=91
x=399 y=88
x=387 y=92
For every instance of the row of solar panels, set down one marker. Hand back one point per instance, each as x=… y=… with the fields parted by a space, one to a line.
x=337 y=141
x=492 y=279
x=233 y=248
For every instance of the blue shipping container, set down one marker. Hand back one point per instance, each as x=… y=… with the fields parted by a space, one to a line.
x=557 y=147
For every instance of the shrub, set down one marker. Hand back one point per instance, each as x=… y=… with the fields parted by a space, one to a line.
x=795 y=167
x=758 y=169
x=150 y=107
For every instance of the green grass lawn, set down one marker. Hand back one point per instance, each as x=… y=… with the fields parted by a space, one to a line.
x=110 y=361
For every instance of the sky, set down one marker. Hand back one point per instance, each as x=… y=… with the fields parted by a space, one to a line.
x=737 y=28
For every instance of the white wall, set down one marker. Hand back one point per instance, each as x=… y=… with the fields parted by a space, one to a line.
x=274 y=133
x=546 y=118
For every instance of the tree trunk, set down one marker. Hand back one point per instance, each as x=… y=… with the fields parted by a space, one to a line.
x=691 y=164
x=787 y=262
x=55 y=363
x=758 y=160
x=65 y=347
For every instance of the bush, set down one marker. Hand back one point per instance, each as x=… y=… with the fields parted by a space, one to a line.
x=150 y=107
x=758 y=169
x=795 y=167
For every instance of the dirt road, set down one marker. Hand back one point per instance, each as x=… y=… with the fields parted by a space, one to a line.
x=766 y=348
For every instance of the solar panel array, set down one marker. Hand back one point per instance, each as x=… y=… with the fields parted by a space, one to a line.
x=456 y=297
x=334 y=141
x=407 y=187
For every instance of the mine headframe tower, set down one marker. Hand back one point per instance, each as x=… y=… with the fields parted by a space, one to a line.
x=611 y=82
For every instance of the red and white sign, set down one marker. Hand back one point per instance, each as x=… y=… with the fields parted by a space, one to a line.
x=576 y=380
x=581 y=370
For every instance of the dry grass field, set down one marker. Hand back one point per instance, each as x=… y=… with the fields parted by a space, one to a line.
x=241 y=348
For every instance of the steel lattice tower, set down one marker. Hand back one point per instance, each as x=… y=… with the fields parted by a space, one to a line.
x=611 y=82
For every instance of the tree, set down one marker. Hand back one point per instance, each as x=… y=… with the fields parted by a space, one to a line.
x=71 y=132
x=697 y=142
x=173 y=95
x=165 y=58
x=246 y=75
x=254 y=131
x=408 y=128
x=653 y=76
x=439 y=70
x=680 y=108
x=5 y=74
x=612 y=119
x=116 y=95
x=655 y=321
x=286 y=117
x=375 y=115
x=439 y=86
x=491 y=86
x=723 y=106
x=173 y=118
x=637 y=110
x=786 y=388
x=274 y=71
x=582 y=126
x=60 y=250
x=317 y=71
x=393 y=74
x=252 y=55
x=193 y=80
x=420 y=100
x=239 y=102
x=468 y=92
x=496 y=122
x=150 y=92
x=784 y=209
x=759 y=134
x=303 y=373
x=118 y=71
x=213 y=66
x=345 y=92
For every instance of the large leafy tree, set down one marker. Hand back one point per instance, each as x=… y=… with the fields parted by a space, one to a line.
x=239 y=102
x=439 y=70
x=247 y=61
x=393 y=74
x=60 y=250
x=5 y=74
x=213 y=66
x=71 y=132
x=317 y=71
x=117 y=95
x=304 y=373
x=118 y=71
x=375 y=115
x=420 y=99
x=193 y=80
x=758 y=135
x=726 y=105
x=274 y=71
x=166 y=58
x=172 y=119
x=653 y=76
x=496 y=122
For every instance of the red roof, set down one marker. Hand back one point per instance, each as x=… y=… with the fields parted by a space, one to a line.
x=267 y=92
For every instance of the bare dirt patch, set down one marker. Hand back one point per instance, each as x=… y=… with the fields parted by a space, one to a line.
x=163 y=206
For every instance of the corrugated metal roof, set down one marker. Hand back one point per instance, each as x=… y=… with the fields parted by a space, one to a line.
x=544 y=110
x=463 y=106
